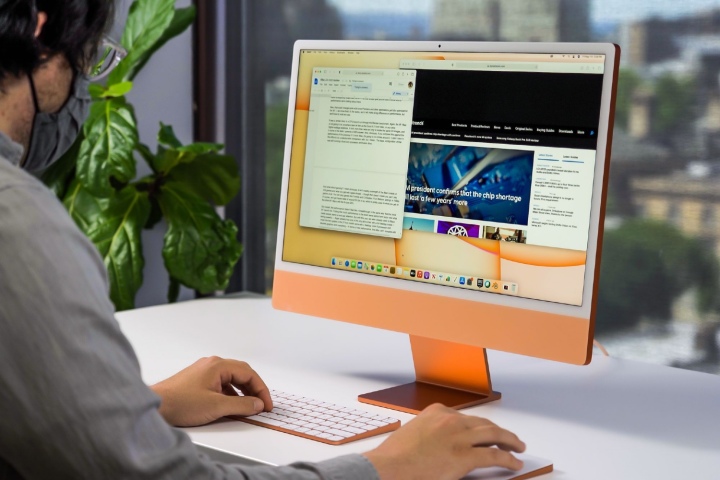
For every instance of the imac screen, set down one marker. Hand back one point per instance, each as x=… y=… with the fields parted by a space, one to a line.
x=469 y=170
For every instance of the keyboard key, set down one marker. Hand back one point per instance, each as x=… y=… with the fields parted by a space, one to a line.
x=354 y=429
x=321 y=421
x=376 y=423
x=294 y=427
x=363 y=426
x=274 y=423
x=257 y=418
x=273 y=415
x=342 y=433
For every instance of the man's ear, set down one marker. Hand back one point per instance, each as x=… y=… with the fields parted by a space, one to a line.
x=41 y=19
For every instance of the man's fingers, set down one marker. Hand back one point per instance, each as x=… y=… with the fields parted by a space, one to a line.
x=246 y=379
x=228 y=389
x=492 y=435
x=494 y=457
x=239 y=405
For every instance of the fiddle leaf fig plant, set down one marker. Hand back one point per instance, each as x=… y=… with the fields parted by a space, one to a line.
x=97 y=178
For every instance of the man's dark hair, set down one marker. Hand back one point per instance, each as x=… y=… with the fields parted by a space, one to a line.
x=74 y=28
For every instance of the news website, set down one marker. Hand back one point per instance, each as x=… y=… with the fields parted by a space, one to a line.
x=472 y=171
x=510 y=152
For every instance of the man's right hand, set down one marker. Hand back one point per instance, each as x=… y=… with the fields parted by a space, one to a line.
x=441 y=443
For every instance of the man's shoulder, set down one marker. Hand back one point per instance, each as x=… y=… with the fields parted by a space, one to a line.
x=13 y=177
x=30 y=213
x=38 y=235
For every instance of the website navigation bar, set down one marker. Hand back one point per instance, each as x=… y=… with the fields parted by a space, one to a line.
x=491 y=132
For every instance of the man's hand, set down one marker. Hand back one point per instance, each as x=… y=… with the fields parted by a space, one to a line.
x=442 y=443
x=203 y=392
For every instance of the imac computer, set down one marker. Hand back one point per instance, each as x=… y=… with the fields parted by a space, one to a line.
x=451 y=191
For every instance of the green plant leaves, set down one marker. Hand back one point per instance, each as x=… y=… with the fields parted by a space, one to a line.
x=172 y=153
x=107 y=151
x=94 y=178
x=114 y=225
x=60 y=174
x=167 y=137
x=181 y=20
x=99 y=92
x=211 y=176
x=147 y=22
x=198 y=166
x=83 y=207
x=200 y=248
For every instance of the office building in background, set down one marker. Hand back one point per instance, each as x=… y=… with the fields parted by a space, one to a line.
x=512 y=20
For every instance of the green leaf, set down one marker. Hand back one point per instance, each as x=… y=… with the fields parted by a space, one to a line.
x=114 y=225
x=146 y=23
x=182 y=19
x=168 y=159
x=201 y=148
x=59 y=174
x=172 y=153
x=167 y=137
x=200 y=249
x=83 y=207
x=145 y=153
x=107 y=151
x=96 y=90
x=99 y=92
x=155 y=214
x=211 y=176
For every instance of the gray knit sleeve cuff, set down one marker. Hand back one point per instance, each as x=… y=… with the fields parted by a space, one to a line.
x=347 y=467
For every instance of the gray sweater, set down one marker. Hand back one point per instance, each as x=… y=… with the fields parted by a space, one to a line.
x=72 y=402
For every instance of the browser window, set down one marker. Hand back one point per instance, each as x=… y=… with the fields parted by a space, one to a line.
x=496 y=156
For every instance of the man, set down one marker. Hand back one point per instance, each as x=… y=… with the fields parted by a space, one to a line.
x=72 y=401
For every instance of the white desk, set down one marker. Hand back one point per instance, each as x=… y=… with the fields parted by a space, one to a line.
x=614 y=419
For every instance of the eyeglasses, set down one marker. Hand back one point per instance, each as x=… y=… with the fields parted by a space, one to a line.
x=108 y=56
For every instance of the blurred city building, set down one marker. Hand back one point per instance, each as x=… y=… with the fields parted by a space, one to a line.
x=512 y=20
x=632 y=159
x=657 y=40
x=681 y=47
x=689 y=200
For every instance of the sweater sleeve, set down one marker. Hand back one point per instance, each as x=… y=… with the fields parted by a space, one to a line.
x=72 y=398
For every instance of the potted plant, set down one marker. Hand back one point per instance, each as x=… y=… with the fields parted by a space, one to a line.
x=96 y=179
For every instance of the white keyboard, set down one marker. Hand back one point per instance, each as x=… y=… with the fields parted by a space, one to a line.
x=321 y=421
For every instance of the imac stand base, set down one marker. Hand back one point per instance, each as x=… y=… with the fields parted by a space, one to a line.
x=453 y=374
x=414 y=397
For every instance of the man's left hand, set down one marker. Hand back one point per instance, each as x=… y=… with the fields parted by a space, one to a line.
x=203 y=392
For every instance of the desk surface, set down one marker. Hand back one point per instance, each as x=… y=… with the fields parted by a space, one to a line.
x=613 y=419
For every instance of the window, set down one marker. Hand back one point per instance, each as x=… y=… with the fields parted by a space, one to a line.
x=659 y=295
